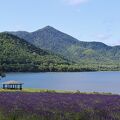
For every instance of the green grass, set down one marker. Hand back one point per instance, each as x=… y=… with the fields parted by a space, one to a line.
x=32 y=90
x=36 y=90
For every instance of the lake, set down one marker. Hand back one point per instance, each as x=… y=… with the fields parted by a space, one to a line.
x=82 y=81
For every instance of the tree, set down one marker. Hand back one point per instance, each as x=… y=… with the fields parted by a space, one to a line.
x=2 y=74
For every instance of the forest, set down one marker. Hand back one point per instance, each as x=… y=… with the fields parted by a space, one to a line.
x=17 y=55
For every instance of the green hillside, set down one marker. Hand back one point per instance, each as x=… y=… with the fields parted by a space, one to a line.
x=18 y=55
x=49 y=38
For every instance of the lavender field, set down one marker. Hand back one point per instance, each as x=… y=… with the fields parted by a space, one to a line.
x=58 y=106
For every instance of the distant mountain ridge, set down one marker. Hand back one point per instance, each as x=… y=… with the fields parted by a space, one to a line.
x=51 y=39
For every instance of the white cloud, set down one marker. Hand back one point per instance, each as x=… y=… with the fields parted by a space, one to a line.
x=75 y=2
x=104 y=36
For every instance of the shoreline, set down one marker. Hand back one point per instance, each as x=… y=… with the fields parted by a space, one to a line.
x=35 y=90
x=62 y=72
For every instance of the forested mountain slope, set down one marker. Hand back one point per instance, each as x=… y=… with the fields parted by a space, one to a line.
x=18 y=55
x=49 y=38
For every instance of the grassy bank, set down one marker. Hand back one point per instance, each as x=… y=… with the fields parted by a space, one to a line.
x=34 y=90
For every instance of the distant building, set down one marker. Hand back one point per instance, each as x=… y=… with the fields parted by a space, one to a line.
x=13 y=85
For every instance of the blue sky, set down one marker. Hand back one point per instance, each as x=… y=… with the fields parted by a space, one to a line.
x=87 y=20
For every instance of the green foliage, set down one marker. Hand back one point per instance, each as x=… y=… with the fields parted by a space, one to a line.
x=19 y=55
x=53 y=40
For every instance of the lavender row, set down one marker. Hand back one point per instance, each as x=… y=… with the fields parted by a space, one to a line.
x=60 y=106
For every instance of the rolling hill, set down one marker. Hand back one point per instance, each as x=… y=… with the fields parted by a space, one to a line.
x=18 y=55
x=49 y=38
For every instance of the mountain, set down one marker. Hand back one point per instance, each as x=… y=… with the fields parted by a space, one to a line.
x=53 y=40
x=17 y=54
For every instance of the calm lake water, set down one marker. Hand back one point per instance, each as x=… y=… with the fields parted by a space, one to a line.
x=83 y=81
